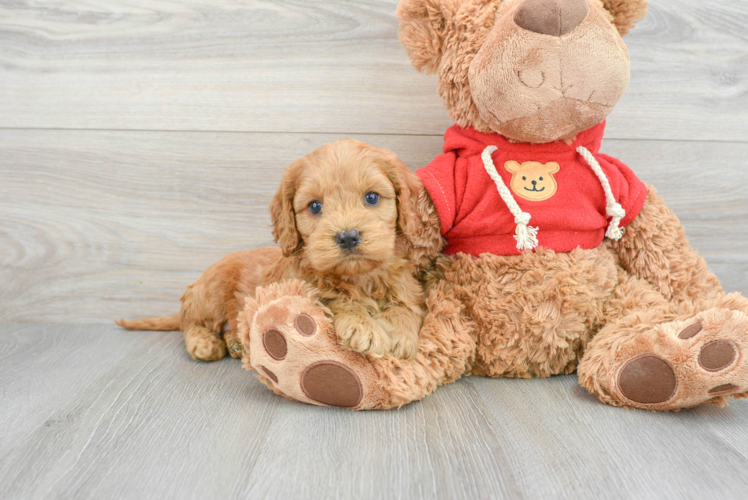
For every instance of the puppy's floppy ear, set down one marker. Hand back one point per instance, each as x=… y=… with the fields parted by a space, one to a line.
x=625 y=13
x=418 y=224
x=282 y=213
x=422 y=31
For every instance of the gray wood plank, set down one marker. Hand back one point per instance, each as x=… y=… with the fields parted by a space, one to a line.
x=116 y=212
x=563 y=439
x=330 y=66
x=98 y=225
x=129 y=415
x=151 y=425
x=157 y=424
x=38 y=363
x=441 y=448
x=101 y=224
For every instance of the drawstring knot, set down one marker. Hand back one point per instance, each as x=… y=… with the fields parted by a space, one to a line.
x=616 y=211
x=523 y=218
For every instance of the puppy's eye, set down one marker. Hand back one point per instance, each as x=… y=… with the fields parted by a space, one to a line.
x=315 y=207
x=524 y=178
x=541 y=178
x=372 y=199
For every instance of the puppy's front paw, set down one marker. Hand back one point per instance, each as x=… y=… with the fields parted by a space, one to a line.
x=405 y=346
x=402 y=326
x=362 y=334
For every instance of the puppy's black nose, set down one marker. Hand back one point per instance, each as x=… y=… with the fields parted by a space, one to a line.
x=348 y=239
x=534 y=182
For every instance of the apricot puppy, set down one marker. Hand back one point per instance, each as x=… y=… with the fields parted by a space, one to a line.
x=345 y=219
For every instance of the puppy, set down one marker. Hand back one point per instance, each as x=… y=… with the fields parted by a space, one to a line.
x=351 y=220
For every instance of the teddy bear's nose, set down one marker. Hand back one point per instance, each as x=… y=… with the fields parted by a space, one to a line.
x=551 y=17
x=534 y=182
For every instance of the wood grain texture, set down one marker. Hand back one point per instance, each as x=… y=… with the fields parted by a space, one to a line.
x=331 y=66
x=141 y=141
x=95 y=412
x=97 y=225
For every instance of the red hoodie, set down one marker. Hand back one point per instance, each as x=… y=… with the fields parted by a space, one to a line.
x=566 y=202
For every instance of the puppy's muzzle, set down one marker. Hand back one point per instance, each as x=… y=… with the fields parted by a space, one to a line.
x=348 y=240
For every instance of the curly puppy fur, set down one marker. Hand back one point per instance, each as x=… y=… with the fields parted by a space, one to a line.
x=371 y=288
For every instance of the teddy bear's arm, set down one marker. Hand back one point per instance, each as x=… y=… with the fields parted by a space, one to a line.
x=654 y=247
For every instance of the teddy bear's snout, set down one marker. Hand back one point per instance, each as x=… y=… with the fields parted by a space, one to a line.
x=551 y=17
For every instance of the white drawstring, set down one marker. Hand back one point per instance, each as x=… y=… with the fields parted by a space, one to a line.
x=526 y=236
x=612 y=207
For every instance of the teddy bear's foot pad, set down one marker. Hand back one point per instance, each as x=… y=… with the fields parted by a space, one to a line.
x=689 y=363
x=332 y=383
x=294 y=349
x=647 y=379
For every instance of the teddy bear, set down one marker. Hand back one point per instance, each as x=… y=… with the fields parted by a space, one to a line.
x=550 y=256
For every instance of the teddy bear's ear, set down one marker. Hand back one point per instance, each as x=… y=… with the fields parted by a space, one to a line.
x=552 y=167
x=422 y=30
x=625 y=13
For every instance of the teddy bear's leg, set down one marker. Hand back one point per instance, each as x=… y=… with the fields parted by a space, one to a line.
x=289 y=339
x=663 y=356
x=654 y=248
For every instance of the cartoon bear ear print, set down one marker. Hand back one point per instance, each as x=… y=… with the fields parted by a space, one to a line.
x=625 y=13
x=552 y=167
x=423 y=27
x=512 y=166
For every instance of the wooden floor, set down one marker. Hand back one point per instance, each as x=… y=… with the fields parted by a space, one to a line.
x=89 y=411
x=142 y=140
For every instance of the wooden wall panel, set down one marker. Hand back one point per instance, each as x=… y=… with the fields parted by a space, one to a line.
x=329 y=66
x=101 y=224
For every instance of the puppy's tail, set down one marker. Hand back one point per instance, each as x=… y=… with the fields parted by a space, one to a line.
x=160 y=323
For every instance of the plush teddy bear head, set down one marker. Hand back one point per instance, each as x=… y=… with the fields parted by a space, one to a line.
x=531 y=70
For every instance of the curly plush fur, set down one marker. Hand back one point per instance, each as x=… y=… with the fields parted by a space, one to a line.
x=641 y=319
x=371 y=288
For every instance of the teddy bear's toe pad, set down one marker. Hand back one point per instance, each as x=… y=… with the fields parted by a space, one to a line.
x=718 y=355
x=305 y=325
x=647 y=379
x=272 y=376
x=690 y=331
x=275 y=344
x=722 y=389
